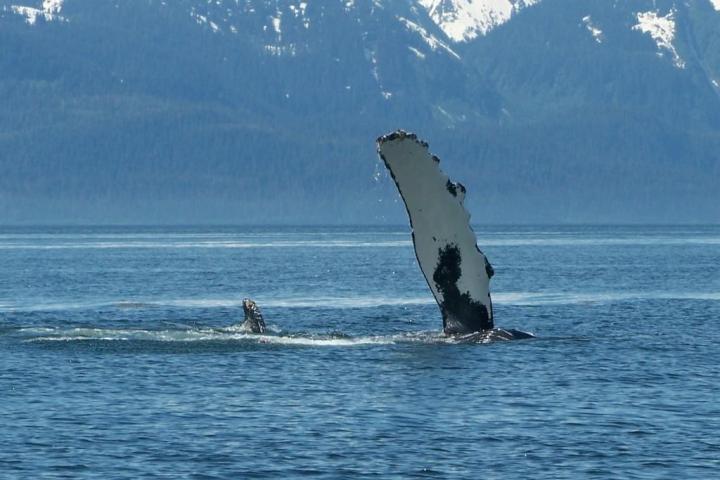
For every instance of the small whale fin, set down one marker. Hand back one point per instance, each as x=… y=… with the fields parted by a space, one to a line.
x=446 y=248
x=254 y=321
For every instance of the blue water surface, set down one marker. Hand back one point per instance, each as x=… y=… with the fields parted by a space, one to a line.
x=119 y=359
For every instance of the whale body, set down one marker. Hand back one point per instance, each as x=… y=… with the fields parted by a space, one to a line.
x=455 y=269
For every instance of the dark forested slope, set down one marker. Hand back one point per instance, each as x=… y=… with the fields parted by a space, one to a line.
x=145 y=111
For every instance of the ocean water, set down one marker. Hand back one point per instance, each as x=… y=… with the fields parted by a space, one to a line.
x=120 y=356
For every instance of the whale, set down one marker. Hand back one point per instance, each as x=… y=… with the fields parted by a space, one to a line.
x=457 y=272
x=254 y=321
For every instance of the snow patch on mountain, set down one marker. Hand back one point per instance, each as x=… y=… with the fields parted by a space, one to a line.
x=266 y=21
x=593 y=29
x=433 y=42
x=277 y=25
x=464 y=20
x=371 y=56
x=300 y=13
x=50 y=11
x=203 y=20
x=225 y=14
x=662 y=30
x=417 y=53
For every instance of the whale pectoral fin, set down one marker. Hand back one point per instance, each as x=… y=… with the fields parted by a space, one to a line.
x=254 y=321
x=455 y=269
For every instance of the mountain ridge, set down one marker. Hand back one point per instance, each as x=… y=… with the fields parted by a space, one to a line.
x=144 y=112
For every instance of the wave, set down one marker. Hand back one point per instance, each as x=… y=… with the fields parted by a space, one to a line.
x=312 y=302
x=501 y=298
x=569 y=242
x=184 y=236
x=234 y=302
x=361 y=302
x=210 y=245
x=233 y=335
x=569 y=298
x=210 y=241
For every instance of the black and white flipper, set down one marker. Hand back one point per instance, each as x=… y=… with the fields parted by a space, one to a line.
x=445 y=245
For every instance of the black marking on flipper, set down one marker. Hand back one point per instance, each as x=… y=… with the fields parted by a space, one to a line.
x=460 y=312
x=455 y=187
x=452 y=324
x=488 y=268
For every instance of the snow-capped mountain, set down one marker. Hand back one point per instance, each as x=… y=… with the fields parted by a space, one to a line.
x=266 y=106
x=281 y=23
x=460 y=20
x=464 y=20
x=284 y=27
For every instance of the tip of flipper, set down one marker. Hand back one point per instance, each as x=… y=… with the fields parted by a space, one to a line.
x=400 y=135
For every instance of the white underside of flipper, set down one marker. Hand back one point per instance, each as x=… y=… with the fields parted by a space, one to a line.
x=446 y=247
